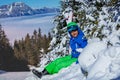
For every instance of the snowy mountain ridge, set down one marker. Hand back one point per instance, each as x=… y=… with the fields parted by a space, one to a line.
x=21 y=9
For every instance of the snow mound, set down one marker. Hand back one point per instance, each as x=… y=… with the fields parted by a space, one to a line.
x=64 y=74
x=90 y=54
x=101 y=62
x=107 y=66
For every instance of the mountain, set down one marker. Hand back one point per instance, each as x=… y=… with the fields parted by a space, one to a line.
x=15 y=9
x=45 y=10
x=21 y=9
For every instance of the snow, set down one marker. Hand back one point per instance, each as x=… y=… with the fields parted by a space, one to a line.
x=90 y=54
x=14 y=75
x=107 y=65
x=64 y=74
x=114 y=37
x=53 y=41
x=10 y=10
x=101 y=63
x=68 y=14
x=90 y=17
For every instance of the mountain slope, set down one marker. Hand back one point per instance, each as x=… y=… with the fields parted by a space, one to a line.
x=21 y=9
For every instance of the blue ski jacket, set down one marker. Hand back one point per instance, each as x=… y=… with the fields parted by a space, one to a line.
x=77 y=42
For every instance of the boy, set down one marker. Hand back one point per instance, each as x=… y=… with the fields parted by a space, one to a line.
x=77 y=40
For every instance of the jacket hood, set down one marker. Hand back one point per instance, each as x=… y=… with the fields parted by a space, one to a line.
x=79 y=33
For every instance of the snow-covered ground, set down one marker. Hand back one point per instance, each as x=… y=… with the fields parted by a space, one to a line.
x=101 y=63
x=18 y=27
x=72 y=72
x=14 y=75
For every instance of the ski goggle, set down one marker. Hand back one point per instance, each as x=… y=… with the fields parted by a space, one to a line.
x=72 y=28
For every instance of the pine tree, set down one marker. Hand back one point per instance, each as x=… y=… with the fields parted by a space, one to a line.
x=39 y=39
x=99 y=17
x=59 y=35
x=49 y=36
x=89 y=15
x=16 y=49
x=29 y=49
x=7 y=58
x=94 y=16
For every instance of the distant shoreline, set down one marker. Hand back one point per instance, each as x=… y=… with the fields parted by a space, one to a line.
x=35 y=15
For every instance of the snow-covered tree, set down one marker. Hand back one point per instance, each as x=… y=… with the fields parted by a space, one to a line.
x=97 y=19
x=94 y=17
x=100 y=21
x=99 y=16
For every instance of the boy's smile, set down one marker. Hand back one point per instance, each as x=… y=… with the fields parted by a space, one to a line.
x=74 y=33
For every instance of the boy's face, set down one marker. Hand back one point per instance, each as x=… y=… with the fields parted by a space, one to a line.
x=74 y=33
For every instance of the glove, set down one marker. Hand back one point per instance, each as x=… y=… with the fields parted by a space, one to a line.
x=77 y=62
x=75 y=54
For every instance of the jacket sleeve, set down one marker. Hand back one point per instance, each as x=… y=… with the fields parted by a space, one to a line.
x=81 y=40
x=72 y=44
x=74 y=53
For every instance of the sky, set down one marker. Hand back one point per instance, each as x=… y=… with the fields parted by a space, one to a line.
x=34 y=3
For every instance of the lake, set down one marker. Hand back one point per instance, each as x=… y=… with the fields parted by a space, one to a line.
x=18 y=27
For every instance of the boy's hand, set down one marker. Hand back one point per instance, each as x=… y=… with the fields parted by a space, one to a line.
x=75 y=54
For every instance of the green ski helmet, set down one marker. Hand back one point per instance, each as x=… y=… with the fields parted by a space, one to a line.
x=72 y=26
